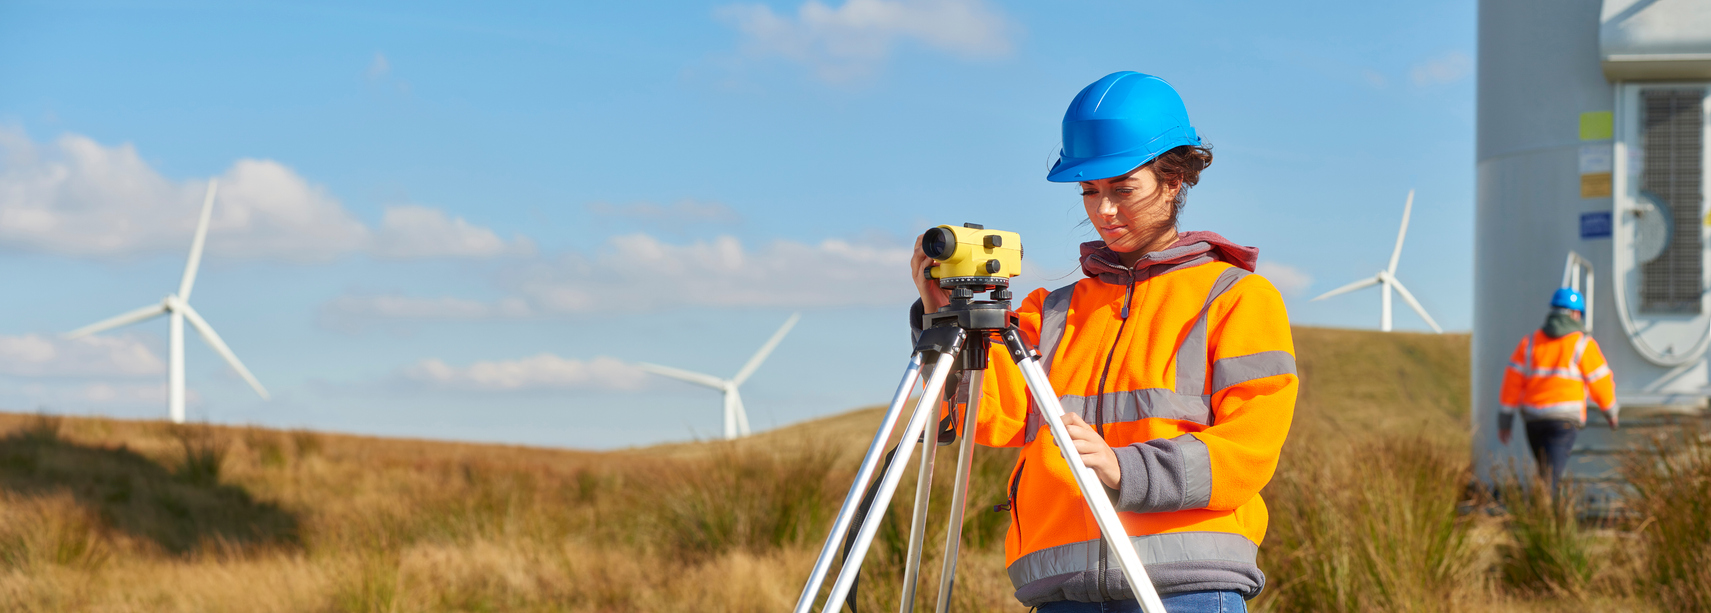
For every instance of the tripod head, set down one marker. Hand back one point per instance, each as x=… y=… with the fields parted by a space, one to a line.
x=974 y=316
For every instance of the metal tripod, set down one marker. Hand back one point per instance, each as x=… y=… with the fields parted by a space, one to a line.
x=957 y=338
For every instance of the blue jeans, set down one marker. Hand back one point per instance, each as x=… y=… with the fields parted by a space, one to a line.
x=1551 y=441
x=1185 y=602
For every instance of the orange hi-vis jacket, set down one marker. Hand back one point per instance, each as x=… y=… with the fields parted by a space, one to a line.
x=1187 y=366
x=1551 y=378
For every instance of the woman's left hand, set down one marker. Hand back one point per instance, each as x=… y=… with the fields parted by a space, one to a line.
x=1094 y=452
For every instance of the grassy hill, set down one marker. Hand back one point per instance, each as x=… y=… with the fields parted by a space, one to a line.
x=110 y=515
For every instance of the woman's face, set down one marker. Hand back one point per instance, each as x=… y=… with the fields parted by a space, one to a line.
x=1131 y=212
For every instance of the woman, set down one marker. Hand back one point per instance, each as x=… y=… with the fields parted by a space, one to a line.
x=1175 y=367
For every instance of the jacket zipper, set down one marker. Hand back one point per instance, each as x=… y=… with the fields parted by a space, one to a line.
x=1099 y=400
x=1010 y=505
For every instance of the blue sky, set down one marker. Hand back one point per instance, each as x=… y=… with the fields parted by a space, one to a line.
x=465 y=222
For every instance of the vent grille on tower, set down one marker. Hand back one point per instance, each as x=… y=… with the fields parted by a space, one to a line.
x=1672 y=140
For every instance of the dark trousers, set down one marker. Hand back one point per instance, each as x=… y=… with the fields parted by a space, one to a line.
x=1551 y=441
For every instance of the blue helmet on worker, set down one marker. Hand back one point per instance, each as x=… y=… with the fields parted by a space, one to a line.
x=1568 y=298
x=1119 y=123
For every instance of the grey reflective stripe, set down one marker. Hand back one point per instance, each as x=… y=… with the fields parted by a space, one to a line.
x=1245 y=368
x=1579 y=350
x=1136 y=405
x=1153 y=549
x=1191 y=356
x=1196 y=471
x=1527 y=359
x=1054 y=320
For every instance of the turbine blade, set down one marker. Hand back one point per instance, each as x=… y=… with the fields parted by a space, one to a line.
x=213 y=340
x=765 y=350
x=1361 y=284
x=151 y=311
x=195 y=262
x=683 y=375
x=1401 y=234
x=1409 y=298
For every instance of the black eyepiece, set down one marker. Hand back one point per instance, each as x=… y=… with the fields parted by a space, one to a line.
x=938 y=243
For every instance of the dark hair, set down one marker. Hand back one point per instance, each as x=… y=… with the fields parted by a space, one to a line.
x=1180 y=168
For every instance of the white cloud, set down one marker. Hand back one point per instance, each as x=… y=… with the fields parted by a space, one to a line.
x=131 y=394
x=144 y=399
x=1447 y=68
x=378 y=68
x=347 y=310
x=852 y=40
x=539 y=372
x=33 y=355
x=77 y=197
x=265 y=210
x=1374 y=78
x=638 y=271
x=417 y=231
x=684 y=212
x=1289 y=280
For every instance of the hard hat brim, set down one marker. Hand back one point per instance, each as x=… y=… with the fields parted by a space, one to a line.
x=1074 y=170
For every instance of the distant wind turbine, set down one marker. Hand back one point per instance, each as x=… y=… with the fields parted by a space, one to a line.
x=736 y=419
x=1387 y=278
x=177 y=305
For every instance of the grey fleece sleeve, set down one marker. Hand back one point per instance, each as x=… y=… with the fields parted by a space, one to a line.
x=1505 y=421
x=1164 y=475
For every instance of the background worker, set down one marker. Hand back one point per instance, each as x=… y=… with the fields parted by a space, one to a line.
x=1175 y=366
x=1548 y=379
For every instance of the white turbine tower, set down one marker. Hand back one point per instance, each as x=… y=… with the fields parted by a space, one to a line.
x=1387 y=278
x=177 y=306
x=736 y=419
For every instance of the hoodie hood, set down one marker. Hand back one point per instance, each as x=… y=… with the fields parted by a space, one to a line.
x=1190 y=249
x=1558 y=325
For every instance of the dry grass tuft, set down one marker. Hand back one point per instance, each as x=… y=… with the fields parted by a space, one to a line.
x=1371 y=527
x=1672 y=479
x=1551 y=553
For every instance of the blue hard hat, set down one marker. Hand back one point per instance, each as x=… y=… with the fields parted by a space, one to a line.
x=1566 y=298
x=1119 y=123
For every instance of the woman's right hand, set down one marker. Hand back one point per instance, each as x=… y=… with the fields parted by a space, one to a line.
x=933 y=297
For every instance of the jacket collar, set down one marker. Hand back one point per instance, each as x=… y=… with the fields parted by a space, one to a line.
x=1190 y=249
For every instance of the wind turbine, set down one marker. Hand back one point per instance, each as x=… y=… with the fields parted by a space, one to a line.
x=1387 y=278
x=736 y=419
x=177 y=306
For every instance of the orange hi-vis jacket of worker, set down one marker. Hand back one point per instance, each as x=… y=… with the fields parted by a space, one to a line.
x=1552 y=378
x=1185 y=364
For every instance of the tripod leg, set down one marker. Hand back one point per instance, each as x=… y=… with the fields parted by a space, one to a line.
x=869 y=463
x=959 y=494
x=918 y=523
x=926 y=410
x=1104 y=513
